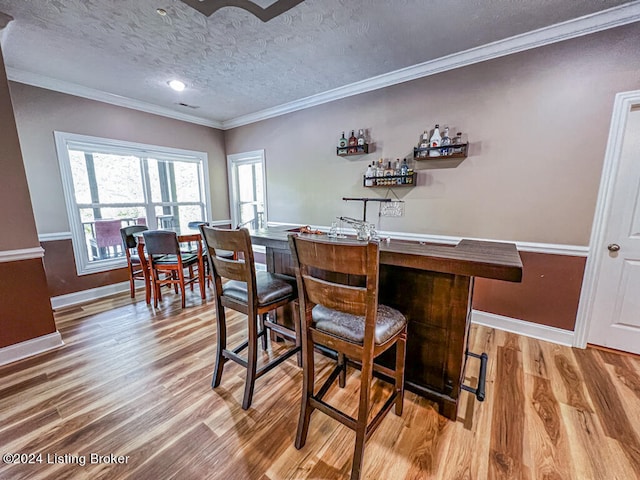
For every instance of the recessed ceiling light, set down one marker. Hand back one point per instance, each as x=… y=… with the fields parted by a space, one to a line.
x=177 y=85
x=161 y=11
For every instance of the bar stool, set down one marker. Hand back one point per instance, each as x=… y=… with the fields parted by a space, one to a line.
x=134 y=265
x=165 y=257
x=348 y=320
x=253 y=293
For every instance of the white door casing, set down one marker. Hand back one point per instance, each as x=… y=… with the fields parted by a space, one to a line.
x=609 y=310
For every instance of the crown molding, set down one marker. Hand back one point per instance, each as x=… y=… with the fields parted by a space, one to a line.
x=42 y=81
x=596 y=22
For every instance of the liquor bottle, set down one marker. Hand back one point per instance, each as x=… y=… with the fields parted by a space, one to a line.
x=342 y=142
x=368 y=181
x=379 y=172
x=434 y=141
x=361 y=140
x=353 y=143
x=397 y=172
x=424 y=143
x=457 y=142
x=388 y=172
x=404 y=170
x=445 y=142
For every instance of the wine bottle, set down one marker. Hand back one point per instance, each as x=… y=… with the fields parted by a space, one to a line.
x=397 y=172
x=424 y=143
x=379 y=172
x=445 y=142
x=368 y=181
x=457 y=142
x=404 y=171
x=353 y=142
x=342 y=142
x=434 y=141
x=388 y=172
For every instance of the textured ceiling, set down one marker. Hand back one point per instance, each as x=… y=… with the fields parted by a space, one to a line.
x=234 y=64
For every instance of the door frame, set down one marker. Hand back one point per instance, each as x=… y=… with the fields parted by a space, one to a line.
x=621 y=109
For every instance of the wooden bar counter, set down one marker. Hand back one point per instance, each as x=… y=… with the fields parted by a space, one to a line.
x=433 y=286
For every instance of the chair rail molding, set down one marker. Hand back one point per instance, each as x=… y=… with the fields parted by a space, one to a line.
x=21 y=254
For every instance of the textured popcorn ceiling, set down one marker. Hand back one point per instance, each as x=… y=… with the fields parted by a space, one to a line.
x=234 y=64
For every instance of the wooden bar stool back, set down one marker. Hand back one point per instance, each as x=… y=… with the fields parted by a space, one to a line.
x=134 y=265
x=254 y=293
x=165 y=257
x=348 y=320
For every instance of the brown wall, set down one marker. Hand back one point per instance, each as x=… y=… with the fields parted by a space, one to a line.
x=62 y=278
x=25 y=310
x=16 y=214
x=548 y=295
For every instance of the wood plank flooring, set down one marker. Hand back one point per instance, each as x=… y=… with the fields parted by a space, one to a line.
x=132 y=384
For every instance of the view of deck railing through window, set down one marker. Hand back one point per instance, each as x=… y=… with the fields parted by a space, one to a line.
x=109 y=185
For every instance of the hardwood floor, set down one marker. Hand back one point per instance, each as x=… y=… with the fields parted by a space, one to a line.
x=133 y=384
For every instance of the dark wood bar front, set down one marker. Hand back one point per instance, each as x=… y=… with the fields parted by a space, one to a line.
x=433 y=286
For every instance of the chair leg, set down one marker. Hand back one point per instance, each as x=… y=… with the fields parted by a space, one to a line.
x=401 y=345
x=201 y=282
x=308 y=379
x=182 y=289
x=156 y=289
x=263 y=331
x=132 y=286
x=222 y=345
x=252 y=361
x=342 y=363
x=363 y=412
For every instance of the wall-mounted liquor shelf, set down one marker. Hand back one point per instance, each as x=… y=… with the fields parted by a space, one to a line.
x=424 y=153
x=360 y=150
x=390 y=181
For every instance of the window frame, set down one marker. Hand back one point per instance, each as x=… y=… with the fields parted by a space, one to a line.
x=85 y=266
x=233 y=161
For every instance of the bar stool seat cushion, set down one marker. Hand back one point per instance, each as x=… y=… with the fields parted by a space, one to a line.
x=271 y=287
x=389 y=321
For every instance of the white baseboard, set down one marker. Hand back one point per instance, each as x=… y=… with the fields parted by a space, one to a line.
x=75 y=298
x=28 y=348
x=529 y=329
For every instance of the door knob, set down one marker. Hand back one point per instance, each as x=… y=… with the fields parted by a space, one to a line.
x=613 y=247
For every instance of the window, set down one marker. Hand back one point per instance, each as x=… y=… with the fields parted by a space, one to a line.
x=110 y=184
x=247 y=187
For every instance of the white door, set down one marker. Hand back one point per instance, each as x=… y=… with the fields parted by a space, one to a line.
x=614 y=318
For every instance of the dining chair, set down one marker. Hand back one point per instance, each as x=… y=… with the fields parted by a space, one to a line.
x=348 y=320
x=254 y=293
x=164 y=256
x=134 y=264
